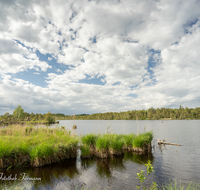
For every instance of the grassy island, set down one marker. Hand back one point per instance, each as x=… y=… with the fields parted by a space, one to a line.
x=30 y=146
x=106 y=145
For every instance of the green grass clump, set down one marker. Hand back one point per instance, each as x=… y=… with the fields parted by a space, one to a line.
x=116 y=142
x=103 y=142
x=85 y=150
x=128 y=139
x=174 y=186
x=142 y=139
x=89 y=139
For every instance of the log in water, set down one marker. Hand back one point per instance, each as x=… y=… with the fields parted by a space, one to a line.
x=163 y=142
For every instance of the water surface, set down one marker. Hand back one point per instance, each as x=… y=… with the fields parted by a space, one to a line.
x=169 y=162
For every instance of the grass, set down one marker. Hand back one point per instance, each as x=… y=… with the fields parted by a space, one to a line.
x=89 y=139
x=43 y=146
x=116 y=142
x=143 y=139
x=103 y=142
x=174 y=186
x=85 y=150
x=36 y=143
x=128 y=139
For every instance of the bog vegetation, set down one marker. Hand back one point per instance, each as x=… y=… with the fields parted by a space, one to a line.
x=27 y=145
x=33 y=146
x=104 y=145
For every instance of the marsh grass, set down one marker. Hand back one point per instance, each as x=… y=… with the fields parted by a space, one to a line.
x=89 y=139
x=143 y=139
x=37 y=144
x=116 y=142
x=85 y=150
x=128 y=139
x=103 y=142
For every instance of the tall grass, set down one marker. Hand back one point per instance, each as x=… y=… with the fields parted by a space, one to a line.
x=89 y=139
x=128 y=139
x=116 y=142
x=103 y=142
x=37 y=143
x=85 y=150
x=143 y=139
x=174 y=186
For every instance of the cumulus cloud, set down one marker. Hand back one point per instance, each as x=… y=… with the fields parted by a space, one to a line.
x=16 y=58
x=143 y=47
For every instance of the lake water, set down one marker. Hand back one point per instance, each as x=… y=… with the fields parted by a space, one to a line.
x=169 y=162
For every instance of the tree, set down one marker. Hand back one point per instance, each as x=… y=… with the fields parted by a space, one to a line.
x=50 y=118
x=18 y=112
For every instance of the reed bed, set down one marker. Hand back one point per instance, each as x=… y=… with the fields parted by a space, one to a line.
x=22 y=145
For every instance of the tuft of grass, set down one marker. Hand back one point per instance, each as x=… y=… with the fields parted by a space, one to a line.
x=128 y=139
x=89 y=139
x=103 y=142
x=116 y=142
x=143 y=139
x=174 y=186
x=85 y=150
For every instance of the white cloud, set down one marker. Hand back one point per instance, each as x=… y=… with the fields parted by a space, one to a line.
x=16 y=58
x=109 y=40
x=50 y=58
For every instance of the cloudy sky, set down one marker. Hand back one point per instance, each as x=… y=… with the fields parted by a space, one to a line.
x=91 y=56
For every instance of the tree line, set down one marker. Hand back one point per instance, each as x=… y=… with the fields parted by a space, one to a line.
x=20 y=115
x=149 y=114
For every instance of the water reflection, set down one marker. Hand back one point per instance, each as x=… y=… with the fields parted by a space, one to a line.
x=138 y=158
x=65 y=170
x=67 y=173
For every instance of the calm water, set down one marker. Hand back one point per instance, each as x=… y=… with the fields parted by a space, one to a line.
x=169 y=162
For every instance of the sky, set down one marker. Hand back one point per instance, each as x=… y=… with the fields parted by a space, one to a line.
x=92 y=56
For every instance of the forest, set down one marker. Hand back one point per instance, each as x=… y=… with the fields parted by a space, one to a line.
x=19 y=116
x=150 y=114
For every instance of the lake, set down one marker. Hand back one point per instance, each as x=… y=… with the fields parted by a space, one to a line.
x=169 y=162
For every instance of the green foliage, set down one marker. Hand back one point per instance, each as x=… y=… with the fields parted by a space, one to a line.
x=150 y=114
x=50 y=117
x=141 y=176
x=149 y=167
x=18 y=112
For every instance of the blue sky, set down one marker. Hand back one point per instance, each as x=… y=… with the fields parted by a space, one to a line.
x=99 y=56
